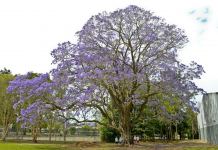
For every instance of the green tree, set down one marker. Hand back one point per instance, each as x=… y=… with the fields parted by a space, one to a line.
x=7 y=114
x=5 y=71
x=72 y=130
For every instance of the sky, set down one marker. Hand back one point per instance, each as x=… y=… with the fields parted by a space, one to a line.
x=31 y=29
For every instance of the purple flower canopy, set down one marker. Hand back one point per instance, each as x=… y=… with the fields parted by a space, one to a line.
x=130 y=54
x=38 y=94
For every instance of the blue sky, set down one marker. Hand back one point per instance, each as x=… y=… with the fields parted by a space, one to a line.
x=30 y=29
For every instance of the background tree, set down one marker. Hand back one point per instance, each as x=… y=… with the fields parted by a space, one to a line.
x=39 y=95
x=160 y=122
x=51 y=119
x=7 y=113
x=28 y=103
x=131 y=56
x=5 y=71
x=189 y=125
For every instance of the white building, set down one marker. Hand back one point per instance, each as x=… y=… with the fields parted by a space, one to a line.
x=208 y=118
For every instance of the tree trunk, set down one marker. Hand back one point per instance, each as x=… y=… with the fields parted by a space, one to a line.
x=6 y=121
x=65 y=131
x=4 y=133
x=50 y=133
x=127 y=137
x=50 y=128
x=153 y=134
x=192 y=130
x=161 y=132
x=126 y=129
x=17 y=131
x=34 y=134
x=65 y=137
x=176 y=134
x=170 y=132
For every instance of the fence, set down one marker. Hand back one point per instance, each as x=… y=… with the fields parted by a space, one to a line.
x=89 y=136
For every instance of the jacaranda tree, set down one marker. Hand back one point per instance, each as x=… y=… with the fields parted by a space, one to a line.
x=38 y=95
x=125 y=59
x=30 y=102
x=123 y=62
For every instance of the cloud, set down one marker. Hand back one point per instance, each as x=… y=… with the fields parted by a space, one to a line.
x=192 y=12
x=202 y=19
x=201 y=15
x=206 y=10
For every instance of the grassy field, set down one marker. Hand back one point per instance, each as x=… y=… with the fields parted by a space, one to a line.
x=182 y=145
x=28 y=146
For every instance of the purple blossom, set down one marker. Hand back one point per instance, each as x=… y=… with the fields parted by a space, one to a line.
x=127 y=57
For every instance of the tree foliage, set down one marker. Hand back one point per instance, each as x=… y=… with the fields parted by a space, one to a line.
x=123 y=61
x=127 y=58
x=5 y=71
x=7 y=113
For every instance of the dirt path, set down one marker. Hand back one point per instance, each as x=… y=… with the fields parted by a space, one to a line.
x=180 y=145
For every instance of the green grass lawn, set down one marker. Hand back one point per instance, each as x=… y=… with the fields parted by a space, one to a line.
x=181 y=145
x=29 y=146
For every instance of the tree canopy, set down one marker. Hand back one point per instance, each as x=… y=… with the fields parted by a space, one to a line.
x=123 y=61
x=7 y=113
